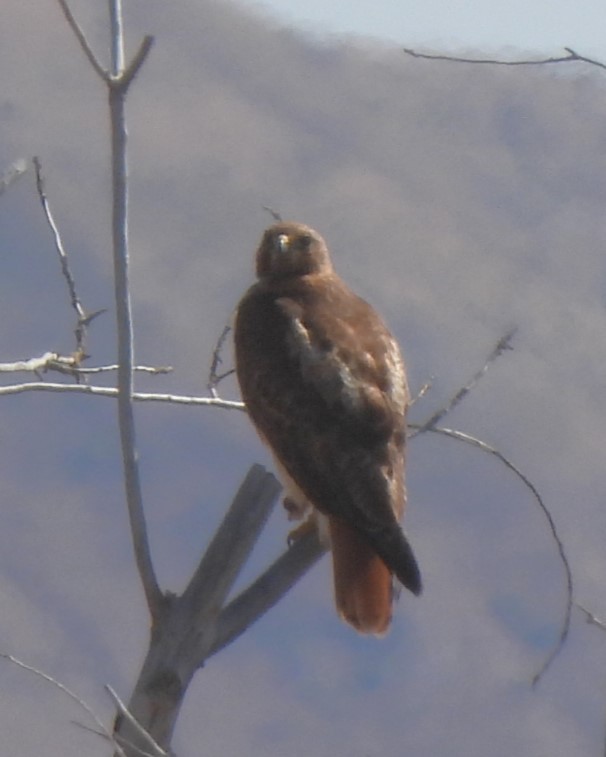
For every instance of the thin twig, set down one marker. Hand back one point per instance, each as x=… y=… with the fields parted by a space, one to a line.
x=109 y=391
x=68 y=692
x=156 y=748
x=79 y=34
x=503 y=344
x=52 y=361
x=565 y=627
x=83 y=318
x=591 y=618
x=151 y=369
x=276 y=215
x=213 y=377
x=422 y=392
x=14 y=172
x=137 y=61
x=572 y=56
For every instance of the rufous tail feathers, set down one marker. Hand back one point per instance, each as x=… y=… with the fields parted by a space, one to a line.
x=363 y=583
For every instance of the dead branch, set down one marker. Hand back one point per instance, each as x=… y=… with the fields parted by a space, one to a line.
x=267 y=590
x=109 y=391
x=187 y=630
x=74 y=697
x=275 y=214
x=570 y=57
x=83 y=318
x=68 y=365
x=591 y=618
x=565 y=625
x=157 y=750
x=215 y=378
x=503 y=344
x=82 y=41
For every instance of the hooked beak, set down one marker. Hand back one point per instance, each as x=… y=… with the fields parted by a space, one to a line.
x=283 y=242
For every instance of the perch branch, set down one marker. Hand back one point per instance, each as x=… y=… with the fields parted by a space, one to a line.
x=74 y=697
x=230 y=547
x=565 y=626
x=267 y=590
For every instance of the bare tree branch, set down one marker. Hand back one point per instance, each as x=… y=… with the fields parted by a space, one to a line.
x=68 y=692
x=83 y=318
x=137 y=61
x=570 y=57
x=52 y=361
x=79 y=34
x=157 y=750
x=109 y=391
x=215 y=378
x=591 y=618
x=230 y=549
x=267 y=590
x=503 y=344
x=565 y=626
x=275 y=214
x=134 y=498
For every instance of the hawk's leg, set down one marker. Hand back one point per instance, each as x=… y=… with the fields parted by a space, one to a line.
x=309 y=524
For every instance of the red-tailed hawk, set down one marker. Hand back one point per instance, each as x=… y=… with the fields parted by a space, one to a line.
x=323 y=382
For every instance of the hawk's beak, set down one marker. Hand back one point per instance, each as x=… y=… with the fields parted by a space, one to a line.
x=283 y=242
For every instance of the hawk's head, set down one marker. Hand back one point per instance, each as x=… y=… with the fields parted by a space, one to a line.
x=290 y=249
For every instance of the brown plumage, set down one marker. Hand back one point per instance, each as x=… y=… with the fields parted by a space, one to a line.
x=324 y=384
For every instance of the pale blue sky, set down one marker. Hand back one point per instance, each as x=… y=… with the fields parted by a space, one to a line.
x=542 y=25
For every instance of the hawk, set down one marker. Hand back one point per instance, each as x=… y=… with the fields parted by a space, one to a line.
x=323 y=382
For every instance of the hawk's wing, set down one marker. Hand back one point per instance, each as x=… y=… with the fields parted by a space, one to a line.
x=323 y=381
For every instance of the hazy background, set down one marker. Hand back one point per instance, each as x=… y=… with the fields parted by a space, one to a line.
x=460 y=201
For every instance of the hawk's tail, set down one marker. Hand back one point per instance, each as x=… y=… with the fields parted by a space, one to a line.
x=364 y=565
x=363 y=583
x=392 y=545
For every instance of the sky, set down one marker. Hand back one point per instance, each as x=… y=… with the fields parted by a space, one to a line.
x=538 y=25
x=471 y=204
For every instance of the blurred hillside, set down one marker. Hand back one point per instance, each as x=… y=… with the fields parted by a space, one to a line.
x=460 y=200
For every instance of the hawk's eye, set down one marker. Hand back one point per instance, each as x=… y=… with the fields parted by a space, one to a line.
x=304 y=241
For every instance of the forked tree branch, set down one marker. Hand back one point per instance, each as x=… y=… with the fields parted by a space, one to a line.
x=126 y=419
x=231 y=546
x=267 y=590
